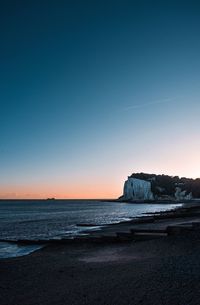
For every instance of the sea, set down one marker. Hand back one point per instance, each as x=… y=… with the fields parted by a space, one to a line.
x=56 y=219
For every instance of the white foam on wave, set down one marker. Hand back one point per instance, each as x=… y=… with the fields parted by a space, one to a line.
x=8 y=250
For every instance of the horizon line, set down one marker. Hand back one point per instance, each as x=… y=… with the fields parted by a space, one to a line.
x=50 y=199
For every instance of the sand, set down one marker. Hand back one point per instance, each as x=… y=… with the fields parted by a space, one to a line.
x=164 y=271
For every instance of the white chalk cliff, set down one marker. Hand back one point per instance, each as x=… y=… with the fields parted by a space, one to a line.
x=137 y=189
x=181 y=195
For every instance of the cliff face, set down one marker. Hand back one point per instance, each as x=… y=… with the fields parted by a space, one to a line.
x=182 y=195
x=142 y=186
x=136 y=189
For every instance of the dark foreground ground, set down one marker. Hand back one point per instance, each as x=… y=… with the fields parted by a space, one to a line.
x=165 y=271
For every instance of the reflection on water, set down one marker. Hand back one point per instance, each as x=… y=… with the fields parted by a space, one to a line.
x=57 y=218
x=42 y=219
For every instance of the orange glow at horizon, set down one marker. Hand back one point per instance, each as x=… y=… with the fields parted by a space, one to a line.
x=61 y=192
x=87 y=190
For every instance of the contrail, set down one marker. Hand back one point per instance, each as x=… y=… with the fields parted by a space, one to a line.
x=149 y=104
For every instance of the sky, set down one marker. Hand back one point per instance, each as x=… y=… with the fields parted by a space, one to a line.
x=92 y=91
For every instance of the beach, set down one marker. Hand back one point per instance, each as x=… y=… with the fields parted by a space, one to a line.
x=164 y=270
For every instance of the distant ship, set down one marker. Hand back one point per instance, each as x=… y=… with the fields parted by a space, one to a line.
x=51 y=198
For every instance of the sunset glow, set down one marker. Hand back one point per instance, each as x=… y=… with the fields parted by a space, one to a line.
x=92 y=93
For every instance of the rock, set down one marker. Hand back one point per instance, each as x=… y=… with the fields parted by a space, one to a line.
x=181 y=195
x=137 y=189
x=142 y=187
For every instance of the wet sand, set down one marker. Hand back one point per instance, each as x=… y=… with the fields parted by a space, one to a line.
x=165 y=271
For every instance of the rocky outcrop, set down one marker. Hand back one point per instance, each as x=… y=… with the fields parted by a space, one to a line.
x=182 y=195
x=137 y=189
x=148 y=187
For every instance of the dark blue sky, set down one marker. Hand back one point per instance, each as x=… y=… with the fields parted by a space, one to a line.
x=93 y=90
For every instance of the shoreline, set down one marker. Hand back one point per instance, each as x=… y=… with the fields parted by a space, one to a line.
x=145 y=271
x=156 y=201
x=109 y=232
x=150 y=272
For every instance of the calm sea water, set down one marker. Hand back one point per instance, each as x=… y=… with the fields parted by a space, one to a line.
x=43 y=219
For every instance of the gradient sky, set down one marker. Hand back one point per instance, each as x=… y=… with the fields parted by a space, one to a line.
x=91 y=91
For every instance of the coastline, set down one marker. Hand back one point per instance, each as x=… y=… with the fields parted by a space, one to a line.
x=121 y=231
x=157 y=271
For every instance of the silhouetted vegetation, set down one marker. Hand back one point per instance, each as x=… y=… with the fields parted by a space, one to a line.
x=166 y=185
